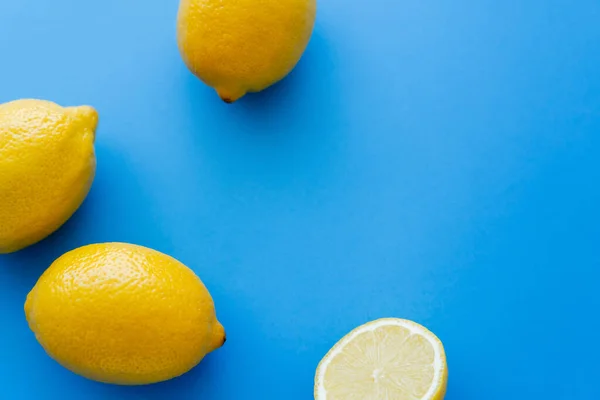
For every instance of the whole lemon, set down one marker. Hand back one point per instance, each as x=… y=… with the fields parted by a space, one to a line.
x=240 y=46
x=123 y=314
x=47 y=166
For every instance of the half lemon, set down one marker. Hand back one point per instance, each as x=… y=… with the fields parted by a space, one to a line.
x=386 y=359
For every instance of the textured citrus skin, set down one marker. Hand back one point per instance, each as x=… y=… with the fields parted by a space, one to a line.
x=240 y=46
x=47 y=165
x=123 y=314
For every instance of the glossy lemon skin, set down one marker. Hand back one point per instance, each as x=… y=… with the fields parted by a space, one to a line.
x=241 y=46
x=47 y=166
x=123 y=314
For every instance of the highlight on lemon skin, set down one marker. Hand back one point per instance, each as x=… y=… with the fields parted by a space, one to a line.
x=241 y=46
x=47 y=166
x=123 y=314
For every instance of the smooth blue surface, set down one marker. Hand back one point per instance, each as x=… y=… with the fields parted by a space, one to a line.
x=432 y=160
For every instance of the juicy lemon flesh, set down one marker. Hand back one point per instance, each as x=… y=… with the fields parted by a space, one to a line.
x=390 y=362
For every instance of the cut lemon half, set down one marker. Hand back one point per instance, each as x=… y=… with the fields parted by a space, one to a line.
x=386 y=359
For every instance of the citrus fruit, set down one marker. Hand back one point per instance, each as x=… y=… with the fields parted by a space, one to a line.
x=240 y=46
x=386 y=359
x=123 y=314
x=47 y=166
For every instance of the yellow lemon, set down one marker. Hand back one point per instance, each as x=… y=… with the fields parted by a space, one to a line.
x=47 y=166
x=240 y=46
x=384 y=359
x=123 y=314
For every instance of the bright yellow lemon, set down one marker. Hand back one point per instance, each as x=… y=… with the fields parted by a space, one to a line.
x=47 y=166
x=240 y=46
x=123 y=314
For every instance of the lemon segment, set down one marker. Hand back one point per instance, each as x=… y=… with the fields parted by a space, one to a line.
x=387 y=359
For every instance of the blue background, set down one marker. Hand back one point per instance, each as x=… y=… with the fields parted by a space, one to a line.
x=433 y=160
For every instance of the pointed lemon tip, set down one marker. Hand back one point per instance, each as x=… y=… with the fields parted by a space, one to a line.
x=86 y=115
x=230 y=96
x=27 y=306
x=219 y=336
